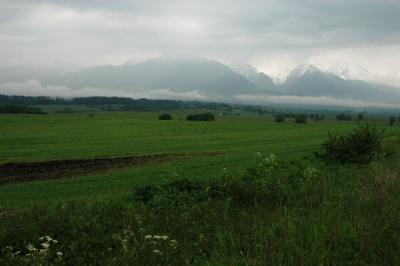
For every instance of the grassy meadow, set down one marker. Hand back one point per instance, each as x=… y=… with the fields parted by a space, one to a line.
x=242 y=206
x=70 y=136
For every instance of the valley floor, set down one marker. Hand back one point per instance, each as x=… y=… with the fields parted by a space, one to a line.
x=241 y=191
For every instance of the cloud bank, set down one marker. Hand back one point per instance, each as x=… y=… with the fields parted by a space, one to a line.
x=270 y=34
x=35 y=88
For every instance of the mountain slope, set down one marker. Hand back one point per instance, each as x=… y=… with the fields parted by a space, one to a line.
x=210 y=80
x=308 y=80
x=176 y=74
x=259 y=79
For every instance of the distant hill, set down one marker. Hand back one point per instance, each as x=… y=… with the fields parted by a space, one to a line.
x=259 y=79
x=308 y=80
x=176 y=74
x=213 y=80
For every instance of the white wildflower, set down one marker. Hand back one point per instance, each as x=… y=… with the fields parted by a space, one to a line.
x=158 y=252
x=15 y=254
x=31 y=247
x=310 y=172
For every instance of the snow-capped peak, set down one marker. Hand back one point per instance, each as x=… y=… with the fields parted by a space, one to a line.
x=245 y=70
x=353 y=72
x=303 y=69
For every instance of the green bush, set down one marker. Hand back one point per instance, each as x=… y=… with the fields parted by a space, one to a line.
x=269 y=181
x=145 y=193
x=361 y=146
x=165 y=117
x=317 y=117
x=300 y=119
x=344 y=117
x=20 y=109
x=279 y=118
x=183 y=185
x=201 y=117
x=392 y=120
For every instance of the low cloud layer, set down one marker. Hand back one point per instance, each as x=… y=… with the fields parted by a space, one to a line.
x=35 y=88
x=304 y=100
x=270 y=34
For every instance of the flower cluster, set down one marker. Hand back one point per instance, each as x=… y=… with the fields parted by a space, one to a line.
x=310 y=172
x=35 y=254
x=123 y=237
x=265 y=163
x=159 y=243
x=307 y=182
x=44 y=248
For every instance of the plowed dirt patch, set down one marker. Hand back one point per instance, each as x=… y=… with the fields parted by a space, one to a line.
x=30 y=171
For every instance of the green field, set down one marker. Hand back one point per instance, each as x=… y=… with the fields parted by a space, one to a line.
x=71 y=136
x=296 y=221
x=46 y=137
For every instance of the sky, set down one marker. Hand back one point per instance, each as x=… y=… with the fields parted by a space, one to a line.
x=273 y=36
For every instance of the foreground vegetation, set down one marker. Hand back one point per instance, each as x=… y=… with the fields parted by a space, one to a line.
x=32 y=138
x=297 y=212
x=241 y=208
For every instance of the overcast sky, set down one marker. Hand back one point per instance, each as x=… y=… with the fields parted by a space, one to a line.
x=274 y=36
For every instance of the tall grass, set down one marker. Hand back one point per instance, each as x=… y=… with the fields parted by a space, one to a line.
x=278 y=212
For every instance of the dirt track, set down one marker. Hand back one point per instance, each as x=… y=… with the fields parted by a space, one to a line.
x=30 y=171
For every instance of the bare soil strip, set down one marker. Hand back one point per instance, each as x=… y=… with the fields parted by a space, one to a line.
x=30 y=171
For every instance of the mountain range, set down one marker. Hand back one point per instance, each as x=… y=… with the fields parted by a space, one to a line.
x=212 y=79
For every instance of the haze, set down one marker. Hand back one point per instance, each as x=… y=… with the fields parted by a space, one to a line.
x=358 y=37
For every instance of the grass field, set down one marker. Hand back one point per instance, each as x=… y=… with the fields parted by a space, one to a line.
x=71 y=136
x=294 y=227
x=46 y=137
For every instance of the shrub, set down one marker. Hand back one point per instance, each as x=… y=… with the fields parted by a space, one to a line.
x=279 y=118
x=145 y=193
x=165 y=117
x=361 y=146
x=392 y=120
x=344 y=117
x=20 y=109
x=300 y=119
x=317 y=117
x=183 y=185
x=201 y=117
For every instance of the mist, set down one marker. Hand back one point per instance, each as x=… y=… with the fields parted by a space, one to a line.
x=354 y=40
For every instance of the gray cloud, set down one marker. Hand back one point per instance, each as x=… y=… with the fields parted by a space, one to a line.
x=35 y=88
x=272 y=35
x=304 y=100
